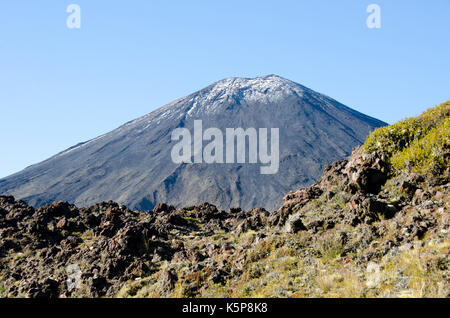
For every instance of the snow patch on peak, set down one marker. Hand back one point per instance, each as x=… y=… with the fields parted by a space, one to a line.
x=267 y=89
x=254 y=83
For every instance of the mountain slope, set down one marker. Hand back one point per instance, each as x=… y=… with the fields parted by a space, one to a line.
x=132 y=164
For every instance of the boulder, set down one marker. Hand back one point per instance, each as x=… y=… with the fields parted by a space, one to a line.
x=294 y=224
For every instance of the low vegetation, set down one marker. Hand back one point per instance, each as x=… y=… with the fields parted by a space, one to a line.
x=420 y=144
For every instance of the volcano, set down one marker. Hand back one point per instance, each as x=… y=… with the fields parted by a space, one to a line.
x=132 y=164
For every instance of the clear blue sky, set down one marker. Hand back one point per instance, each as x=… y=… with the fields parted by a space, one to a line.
x=61 y=86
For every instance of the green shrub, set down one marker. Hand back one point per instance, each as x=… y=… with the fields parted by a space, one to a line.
x=426 y=155
x=417 y=144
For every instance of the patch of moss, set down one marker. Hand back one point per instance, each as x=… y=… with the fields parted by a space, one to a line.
x=192 y=221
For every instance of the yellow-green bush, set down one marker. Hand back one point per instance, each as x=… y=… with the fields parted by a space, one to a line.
x=417 y=144
x=427 y=154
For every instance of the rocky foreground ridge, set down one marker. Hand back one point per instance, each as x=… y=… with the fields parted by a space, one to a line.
x=371 y=226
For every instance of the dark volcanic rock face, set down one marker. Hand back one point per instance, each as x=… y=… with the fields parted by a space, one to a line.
x=132 y=165
x=100 y=247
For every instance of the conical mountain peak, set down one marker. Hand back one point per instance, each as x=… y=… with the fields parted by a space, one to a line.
x=132 y=164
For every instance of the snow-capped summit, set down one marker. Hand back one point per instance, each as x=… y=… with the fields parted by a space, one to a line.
x=269 y=88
